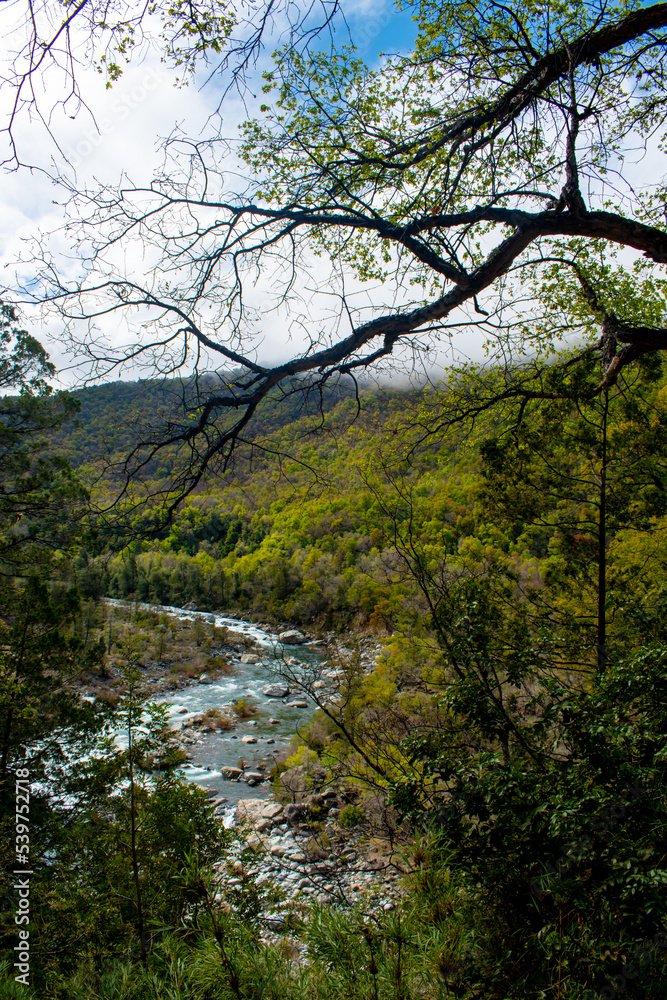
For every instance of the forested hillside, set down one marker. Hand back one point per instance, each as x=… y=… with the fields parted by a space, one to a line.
x=299 y=528
x=318 y=520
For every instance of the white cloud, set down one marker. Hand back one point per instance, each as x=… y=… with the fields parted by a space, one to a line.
x=117 y=134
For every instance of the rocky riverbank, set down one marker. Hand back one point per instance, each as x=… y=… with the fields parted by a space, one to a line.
x=312 y=847
x=299 y=855
x=310 y=854
x=293 y=692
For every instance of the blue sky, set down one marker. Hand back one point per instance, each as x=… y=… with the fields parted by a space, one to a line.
x=382 y=29
x=396 y=32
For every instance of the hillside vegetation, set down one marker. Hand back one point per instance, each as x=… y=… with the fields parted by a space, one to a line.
x=315 y=521
x=299 y=529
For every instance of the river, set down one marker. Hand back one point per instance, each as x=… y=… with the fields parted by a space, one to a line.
x=220 y=749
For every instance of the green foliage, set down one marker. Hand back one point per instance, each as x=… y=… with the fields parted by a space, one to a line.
x=41 y=651
x=539 y=786
x=40 y=498
x=110 y=854
x=558 y=855
x=351 y=815
x=244 y=709
x=412 y=145
x=27 y=366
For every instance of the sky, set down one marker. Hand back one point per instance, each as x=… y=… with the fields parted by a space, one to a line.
x=116 y=138
x=118 y=135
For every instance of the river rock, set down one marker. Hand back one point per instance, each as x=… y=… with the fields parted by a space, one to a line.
x=294 y=779
x=205 y=679
x=275 y=923
x=248 y=739
x=272 y=810
x=278 y=846
x=297 y=704
x=295 y=813
x=275 y=691
x=250 y=658
x=253 y=777
x=292 y=637
x=250 y=811
x=231 y=773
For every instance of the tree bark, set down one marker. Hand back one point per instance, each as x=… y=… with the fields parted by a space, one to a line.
x=602 y=546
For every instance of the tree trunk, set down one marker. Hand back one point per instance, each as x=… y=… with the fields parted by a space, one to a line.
x=602 y=546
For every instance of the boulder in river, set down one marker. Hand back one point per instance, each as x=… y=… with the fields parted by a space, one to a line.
x=250 y=658
x=253 y=777
x=276 y=691
x=205 y=679
x=230 y=773
x=272 y=810
x=292 y=637
x=248 y=739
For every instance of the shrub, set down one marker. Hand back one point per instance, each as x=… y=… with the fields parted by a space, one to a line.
x=244 y=709
x=221 y=634
x=220 y=664
x=214 y=718
x=351 y=816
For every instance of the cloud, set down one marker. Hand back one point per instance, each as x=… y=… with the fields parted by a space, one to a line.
x=117 y=138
